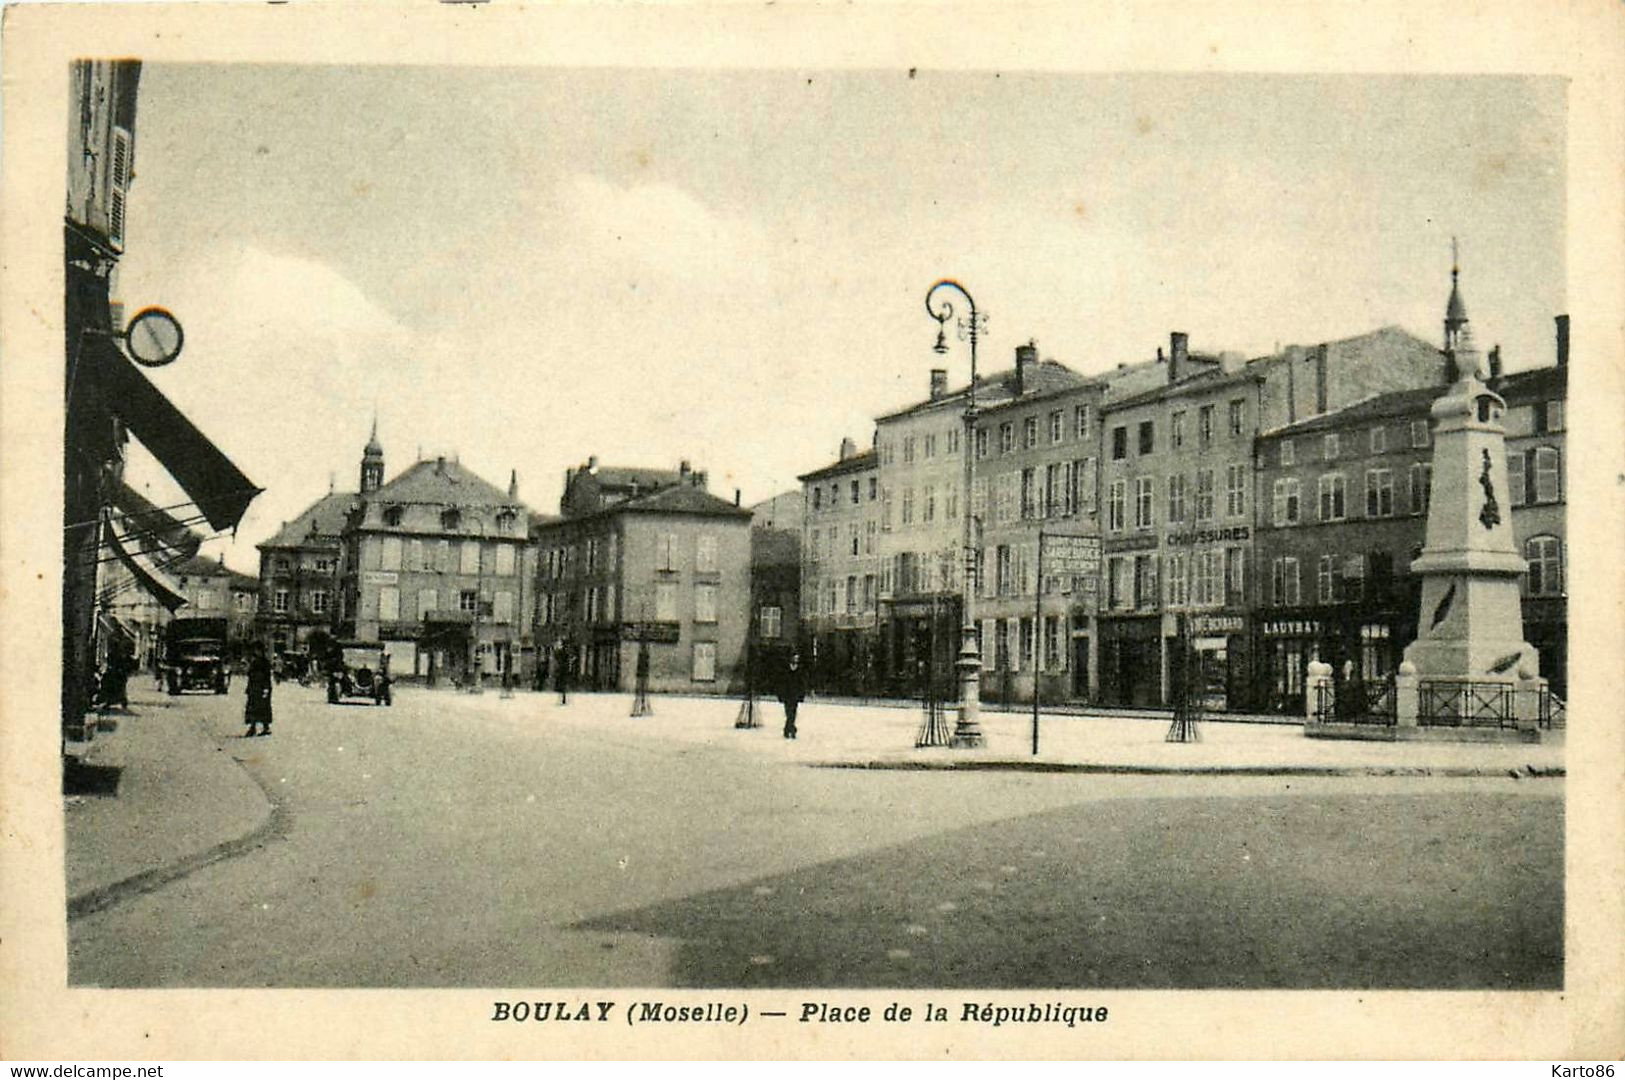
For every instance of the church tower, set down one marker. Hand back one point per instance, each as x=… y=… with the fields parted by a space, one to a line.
x=1457 y=336
x=372 y=462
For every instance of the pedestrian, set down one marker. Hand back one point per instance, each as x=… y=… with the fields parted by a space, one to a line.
x=541 y=668
x=257 y=710
x=792 y=688
x=566 y=669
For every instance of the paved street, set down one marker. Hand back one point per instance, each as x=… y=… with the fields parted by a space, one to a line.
x=462 y=841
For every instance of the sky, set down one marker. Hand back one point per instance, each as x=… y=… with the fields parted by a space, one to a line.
x=524 y=267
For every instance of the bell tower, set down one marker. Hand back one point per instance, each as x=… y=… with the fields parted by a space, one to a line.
x=372 y=462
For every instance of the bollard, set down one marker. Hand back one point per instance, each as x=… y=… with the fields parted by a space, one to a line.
x=1405 y=691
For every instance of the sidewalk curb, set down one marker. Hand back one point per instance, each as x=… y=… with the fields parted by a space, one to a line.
x=1527 y=772
x=274 y=827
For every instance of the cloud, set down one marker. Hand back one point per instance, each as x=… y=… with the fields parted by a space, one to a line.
x=662 y=229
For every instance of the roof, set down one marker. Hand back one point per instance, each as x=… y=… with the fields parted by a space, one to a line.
x=625 y=476
x=1541 y=382
x=678 y=499
x=442 y=482
x=992 y=391
x=202 y=566
x=866 y=459
x=323 y=518
x=1394 y=403
x=1209 y=378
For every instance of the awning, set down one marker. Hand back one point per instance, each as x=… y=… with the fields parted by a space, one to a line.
x=159 y=584
x=115 y=625
x=143 y=521
x=222 y=493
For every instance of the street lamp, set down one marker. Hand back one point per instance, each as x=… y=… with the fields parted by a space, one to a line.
x=939 y=305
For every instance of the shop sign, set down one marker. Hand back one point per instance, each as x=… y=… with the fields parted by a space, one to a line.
x=1132 y=543
x=666 y=633
x=1219 y=624
x=380 y=577
x=1071 y=554
x=1292 y=628
x=1208 y=536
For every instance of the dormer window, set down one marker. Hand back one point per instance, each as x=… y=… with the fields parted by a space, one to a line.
x=392 y=515
x=451 y=520
x=505 y=521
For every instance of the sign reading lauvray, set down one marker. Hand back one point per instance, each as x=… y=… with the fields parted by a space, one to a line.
x=1071 y=554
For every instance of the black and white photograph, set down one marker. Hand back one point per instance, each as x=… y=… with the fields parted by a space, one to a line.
x=688 y=546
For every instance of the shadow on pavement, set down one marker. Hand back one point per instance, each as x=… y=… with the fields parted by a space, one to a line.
x=1288 y=892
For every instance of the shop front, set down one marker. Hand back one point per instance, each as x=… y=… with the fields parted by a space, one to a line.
x=1131 y=660
x=1219 y=657
x=1359 y=644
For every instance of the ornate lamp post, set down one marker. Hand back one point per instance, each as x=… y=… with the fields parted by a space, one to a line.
x=939 y=305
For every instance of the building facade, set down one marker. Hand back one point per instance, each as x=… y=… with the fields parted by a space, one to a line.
x=841 y=588
x=775 y=628
x=214 y=590
x=299 y=580
x=663 y=568
x=436 y=565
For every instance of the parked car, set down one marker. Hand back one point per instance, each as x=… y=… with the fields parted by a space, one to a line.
x=359 y=671
x=195 y=656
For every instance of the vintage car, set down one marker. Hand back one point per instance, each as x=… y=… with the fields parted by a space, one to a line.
x=195 y=656
x=358 y=671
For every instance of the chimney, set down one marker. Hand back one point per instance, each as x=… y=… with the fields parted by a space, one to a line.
x=736 y=496
x=1495 y=364
x=1178 y=355
x=513 y=484
x=1026 y=361
x=592 y=463
x=440 y=465
x=683 y=469
x=1562 y=341
x=701 y=479
x=848 y=448
x=939 y=382
x=1320 y=379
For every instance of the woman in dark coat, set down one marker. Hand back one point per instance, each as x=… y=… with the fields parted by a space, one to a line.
x=257 y=711
x=792 y=688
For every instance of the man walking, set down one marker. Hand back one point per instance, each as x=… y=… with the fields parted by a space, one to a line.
x=792 y=688
x=257 y=710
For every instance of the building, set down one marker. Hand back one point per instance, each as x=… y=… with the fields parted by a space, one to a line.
x=108 y=399
x=775 y=584
x=644 y=558
x=841 y=570
x=299 y=579
x=1037 y=471
x=436 y=565
x=214 y=590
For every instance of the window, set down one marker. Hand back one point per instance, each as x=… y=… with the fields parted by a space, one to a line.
x=1004 y=498
x=1421 y=487
x=1118 y=581
x=282 y=565
x=1029 y=433
x=1204 y=426
x=705 y=553
x=1178 y=584
x=1235 y=490
x=1176 y=430
x=1379 y=493
x=468 y=601
x=1548 y=485
x=318 y=601
x=506 y=520
x=1119 y=443
x=1148 y=437
x=1083 y=486
x=1029 y=497
x=392 y=515
x=1379 y=440
x=1352 y=587
x=389 y=604
x=502 y=606
x=1284 y=581
x=442 y=557
x=1115 y=507
x=665 y=601
x=874 y=488
x=1554 y=416
x=505 y=558
x=1052 y=643
x=1003 y=570
x=1176 y=497
x=868 y=592
x=908 y=449
x=870 y=528
x=981 y=443
x=705 y=602
x=953 y=441
x=705 y=661
x=1057 y=490
x=1544 y=554
x=592 y=557
x=1235 y=561
x=908 y=506
x=1007 y=437
x=428 y=601
x=852 y=535
x=1204 y=494
x=1238 y=409
x=818 y=498
x=666 y=550
x=1205 y=583
x=451 y=520
x=1057 y=426
x=1330 y=447
x=469 y=557
x=1286 y=452
x=856 y=492
x=1080 y=421
x=1144 y=493
x=1517 y=479
x=770 y=623
x=1326 y=579
x=1331 y=497
x=1145 y=581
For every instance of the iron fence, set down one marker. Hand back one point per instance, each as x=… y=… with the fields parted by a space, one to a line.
x=1325 y=703
x=1467 y=704
x=1553 y=711
x=1360 y=702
